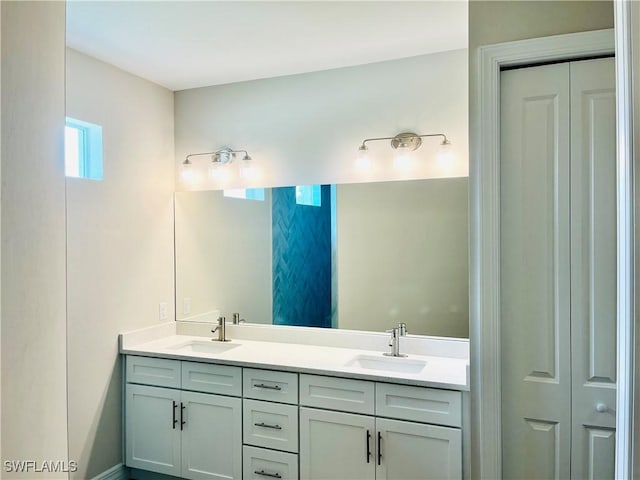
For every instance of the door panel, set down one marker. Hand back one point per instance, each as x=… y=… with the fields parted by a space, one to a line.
x=333 y=445
x=601 y=447
x=593 y=267
x=535 y=281
x=410 y=451
x=153 y=440
x=558 y=291
x=212 y=436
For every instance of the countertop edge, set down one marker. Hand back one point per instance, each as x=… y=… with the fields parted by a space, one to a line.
x=309 y=370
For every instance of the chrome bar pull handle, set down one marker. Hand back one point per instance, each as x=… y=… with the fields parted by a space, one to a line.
x=268 y=387
x=267 y=474
x=266 y=425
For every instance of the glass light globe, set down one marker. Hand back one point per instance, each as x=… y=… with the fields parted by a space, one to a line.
x=187 y=174
x=445 y=154
x=403 y=160
x=247 y=168
x=216 y=171
x=363 y=161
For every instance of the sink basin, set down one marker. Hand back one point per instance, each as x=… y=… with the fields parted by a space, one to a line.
x=387 y=364
x=203 y=346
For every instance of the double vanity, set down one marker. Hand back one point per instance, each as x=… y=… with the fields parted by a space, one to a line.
x=291 y=402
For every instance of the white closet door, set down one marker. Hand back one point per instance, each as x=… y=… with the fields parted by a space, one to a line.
x=535 y=275
x=593 y=267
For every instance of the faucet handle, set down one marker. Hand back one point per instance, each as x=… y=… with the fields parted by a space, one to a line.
x=393 y=331
x=220 y=322
x=402 y=329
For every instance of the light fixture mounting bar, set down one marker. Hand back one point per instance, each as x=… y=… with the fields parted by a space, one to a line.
x=222 y=156
x=408 y=140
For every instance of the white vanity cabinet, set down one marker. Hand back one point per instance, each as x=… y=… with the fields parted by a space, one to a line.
x=199 y=420
x=187 y=434
x=337 y=444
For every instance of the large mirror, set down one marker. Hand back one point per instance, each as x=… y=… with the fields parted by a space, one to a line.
x=359 y=256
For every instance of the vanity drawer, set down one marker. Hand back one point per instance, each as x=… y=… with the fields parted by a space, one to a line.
x=420 y=404
x=210 y=378
x=261 y=464
x=342 y=394
x=270 y=425
x=160 y=372
x=269 y=385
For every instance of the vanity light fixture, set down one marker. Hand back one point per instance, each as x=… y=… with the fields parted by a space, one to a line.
x=219 y=158
x=403 y=143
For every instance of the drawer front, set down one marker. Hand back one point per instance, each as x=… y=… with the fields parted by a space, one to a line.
x=270 y=425
x=428 y=405
x=337 y=394
x=210 y=378
x=160 y=372
x=261 y=464
x=269 y=385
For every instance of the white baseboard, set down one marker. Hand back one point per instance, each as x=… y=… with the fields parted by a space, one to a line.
x=117 y=472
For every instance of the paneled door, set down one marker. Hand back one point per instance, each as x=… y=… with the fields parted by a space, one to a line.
x=211 y=436
x=593 y=268
x=335 y=445
x=153 y=432
x=410 y=451
x=557 y=291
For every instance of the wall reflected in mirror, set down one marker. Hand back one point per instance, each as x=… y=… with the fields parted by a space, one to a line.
x=356 y=256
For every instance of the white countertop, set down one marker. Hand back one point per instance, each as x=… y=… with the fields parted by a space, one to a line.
x=439 y=371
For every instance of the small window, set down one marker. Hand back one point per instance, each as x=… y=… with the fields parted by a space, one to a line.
x=245 y=193
x=308 y=195
x=82 y=149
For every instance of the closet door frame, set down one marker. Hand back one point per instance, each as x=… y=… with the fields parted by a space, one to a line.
x=484 y=199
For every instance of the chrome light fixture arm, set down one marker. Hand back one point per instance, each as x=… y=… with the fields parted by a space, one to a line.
x=407 y=140
x=222 y=156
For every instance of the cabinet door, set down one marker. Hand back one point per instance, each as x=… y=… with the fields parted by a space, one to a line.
x=334 y=445
x=152 y=437
x=211 y=436
x=407 y=450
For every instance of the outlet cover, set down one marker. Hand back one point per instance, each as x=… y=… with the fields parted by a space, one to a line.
x=163 y=313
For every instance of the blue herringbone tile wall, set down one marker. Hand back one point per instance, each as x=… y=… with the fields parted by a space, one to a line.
x=301 y=260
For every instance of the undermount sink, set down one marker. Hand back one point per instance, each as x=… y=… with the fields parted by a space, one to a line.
x=202 y=346
x=387 y=364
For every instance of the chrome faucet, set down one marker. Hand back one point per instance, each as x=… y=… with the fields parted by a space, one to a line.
x=394 y=341
x=402 y=329
x=236 y=320
x=221 y=329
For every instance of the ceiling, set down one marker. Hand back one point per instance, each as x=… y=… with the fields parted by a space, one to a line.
x=183 y=44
